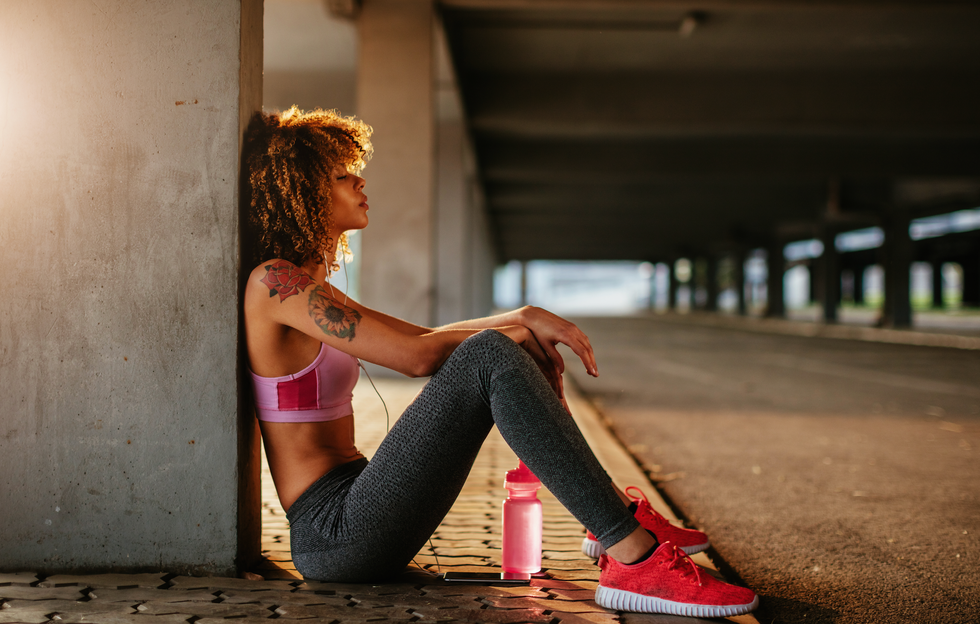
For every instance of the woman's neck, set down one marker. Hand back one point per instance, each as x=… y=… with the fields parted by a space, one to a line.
x=318 y=271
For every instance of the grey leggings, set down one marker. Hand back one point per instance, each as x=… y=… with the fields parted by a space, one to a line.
x=365 y=520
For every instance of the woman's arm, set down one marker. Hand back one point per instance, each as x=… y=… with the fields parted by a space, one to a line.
x=548 y=329
x=281 y=295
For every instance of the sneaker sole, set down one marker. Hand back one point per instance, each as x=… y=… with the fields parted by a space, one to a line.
x=620 y=600
x=593 y=548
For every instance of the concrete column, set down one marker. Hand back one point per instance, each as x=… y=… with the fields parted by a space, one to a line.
x=827 y=275
x=775 y=304
x=937 y=284
x=971 y=279
x=711 y=280
x=395 y=95
x=897 y=251
x=859 y=284
x=124 y=444
x=738 y=260
x=652 y=293
x=672 y=285
x=464 y=252
x=523 y=301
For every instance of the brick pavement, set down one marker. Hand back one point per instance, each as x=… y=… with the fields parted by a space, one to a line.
x=467 y=540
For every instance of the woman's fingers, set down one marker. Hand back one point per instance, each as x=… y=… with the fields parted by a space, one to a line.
x=554 y=356
x=550 y=329
x=545 y=363
x=576 y=340
x=583 y=349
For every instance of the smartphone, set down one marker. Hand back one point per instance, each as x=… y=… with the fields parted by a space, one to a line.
x=488 y=578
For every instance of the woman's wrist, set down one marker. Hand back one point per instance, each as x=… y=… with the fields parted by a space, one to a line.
x=523 y=316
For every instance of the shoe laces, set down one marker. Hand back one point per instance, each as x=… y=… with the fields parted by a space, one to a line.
x=642 y=504
x=677 y=559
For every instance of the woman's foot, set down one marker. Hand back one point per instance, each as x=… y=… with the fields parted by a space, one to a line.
x=669 y=582
x=689 y=540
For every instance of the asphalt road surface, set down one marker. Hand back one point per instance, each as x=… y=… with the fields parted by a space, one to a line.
x=839 y=479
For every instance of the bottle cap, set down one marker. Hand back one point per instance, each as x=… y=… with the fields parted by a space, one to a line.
x=521 y=478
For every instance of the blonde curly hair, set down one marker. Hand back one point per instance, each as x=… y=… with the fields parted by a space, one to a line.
x=288 y=159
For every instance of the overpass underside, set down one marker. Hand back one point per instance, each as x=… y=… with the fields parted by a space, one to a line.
x=653 y=130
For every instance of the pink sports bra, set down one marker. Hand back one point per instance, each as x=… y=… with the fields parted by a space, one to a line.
x=320 y=392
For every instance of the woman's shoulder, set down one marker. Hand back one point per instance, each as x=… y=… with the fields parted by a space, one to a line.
x=275 y=281
x=279 y=277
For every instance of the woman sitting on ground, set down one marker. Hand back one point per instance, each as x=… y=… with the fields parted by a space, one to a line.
x=353 y=520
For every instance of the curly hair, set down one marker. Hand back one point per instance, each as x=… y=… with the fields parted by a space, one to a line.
x=288 y=159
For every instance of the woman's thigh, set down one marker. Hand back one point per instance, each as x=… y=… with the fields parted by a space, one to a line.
x=409 y=485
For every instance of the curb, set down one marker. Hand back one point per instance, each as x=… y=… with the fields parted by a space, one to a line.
x=809 y=329
x=623 y=469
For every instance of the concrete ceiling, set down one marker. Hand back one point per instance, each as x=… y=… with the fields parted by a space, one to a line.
x=646 y=129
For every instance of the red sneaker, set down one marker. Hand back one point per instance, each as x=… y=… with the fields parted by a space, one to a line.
x=669 y=582
x=688 y=540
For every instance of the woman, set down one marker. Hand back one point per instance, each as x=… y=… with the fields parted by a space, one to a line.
x=353 y=520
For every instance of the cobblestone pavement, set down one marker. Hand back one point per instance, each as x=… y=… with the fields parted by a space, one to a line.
x=467 y=540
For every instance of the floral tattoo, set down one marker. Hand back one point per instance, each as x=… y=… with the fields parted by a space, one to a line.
x=285 y=279
x=333 y=317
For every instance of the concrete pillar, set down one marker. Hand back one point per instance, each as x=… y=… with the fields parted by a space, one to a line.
x=711 y=283
x=523 y=300
x=897 y=251
x=652 y=294
x=814 y=283
x=124 y=444
x=775 y=303
x=395 y=95
x=827 y=275
x=738 y=275
x=971 y=279
x=859 y=284
x=464 y=252
x=672 y=285
x=937 y=284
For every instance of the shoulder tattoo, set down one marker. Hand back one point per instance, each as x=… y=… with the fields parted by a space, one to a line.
x=331 y=316
x=285 y=279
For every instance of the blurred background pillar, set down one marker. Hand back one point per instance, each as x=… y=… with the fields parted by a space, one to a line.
x=738 y=277
x=971 y=279
x=395 y=74
x=828 y=277
x=775 y=302
x=897 y=251
x=711 y=303
x=464 y=252
x=858 y=288
x=673 y=284
x=428 y=256
x=937 y=284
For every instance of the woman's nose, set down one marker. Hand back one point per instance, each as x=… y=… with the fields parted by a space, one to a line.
x=359 y=183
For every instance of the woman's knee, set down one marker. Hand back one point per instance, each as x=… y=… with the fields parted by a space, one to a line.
x=489 y=344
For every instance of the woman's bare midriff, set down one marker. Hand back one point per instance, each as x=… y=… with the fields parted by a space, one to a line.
x=301 y=453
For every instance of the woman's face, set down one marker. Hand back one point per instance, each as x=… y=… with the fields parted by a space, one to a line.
x=349 y=202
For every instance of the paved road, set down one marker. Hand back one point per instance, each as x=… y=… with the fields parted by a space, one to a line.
x=840 y=479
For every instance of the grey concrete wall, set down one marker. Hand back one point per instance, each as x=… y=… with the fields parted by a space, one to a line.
x=120 y=419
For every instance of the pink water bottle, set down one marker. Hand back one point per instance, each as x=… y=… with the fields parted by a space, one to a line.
x=522 y=523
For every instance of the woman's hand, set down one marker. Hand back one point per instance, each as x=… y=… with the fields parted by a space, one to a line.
x=526 y=339
x=550 y=329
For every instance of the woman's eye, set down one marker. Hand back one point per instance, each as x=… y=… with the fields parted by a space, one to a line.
x=343 y=177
